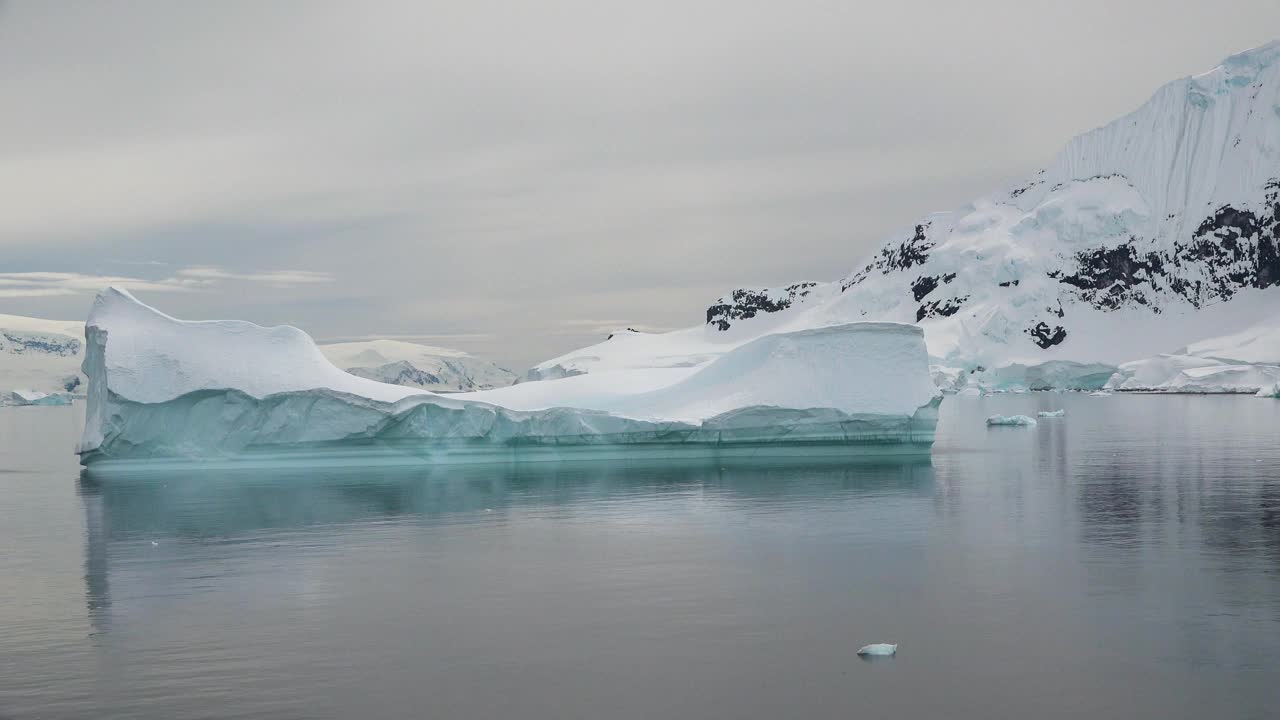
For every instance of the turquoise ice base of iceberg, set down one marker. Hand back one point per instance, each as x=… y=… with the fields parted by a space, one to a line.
x=164 y=391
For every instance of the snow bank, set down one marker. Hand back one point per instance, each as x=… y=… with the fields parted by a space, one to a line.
x=163 y=389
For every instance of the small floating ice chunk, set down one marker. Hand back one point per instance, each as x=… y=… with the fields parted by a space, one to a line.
x=879 y=649
x=1019 y=420
x=1100 y=393
x=1051 y=413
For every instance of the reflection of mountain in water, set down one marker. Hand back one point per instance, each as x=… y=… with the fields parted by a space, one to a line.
x=206 y=512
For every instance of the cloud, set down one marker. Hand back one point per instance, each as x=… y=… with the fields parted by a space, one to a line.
x=279 y=278
x=49 y=284
x=416 y=337
x=36 y=284
x=29 y=292
x=605 y=327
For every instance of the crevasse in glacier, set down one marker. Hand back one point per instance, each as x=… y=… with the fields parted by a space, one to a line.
x=163 y=390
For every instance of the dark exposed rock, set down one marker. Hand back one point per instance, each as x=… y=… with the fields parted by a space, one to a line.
x=1047 y=337
x=928 y=283
x=923 y=286
x=940 y=308
x=1110 y=278
x=1009 y=283
x=910 y=253
x=23 y=342
x=1230 y=250
x=744 y=303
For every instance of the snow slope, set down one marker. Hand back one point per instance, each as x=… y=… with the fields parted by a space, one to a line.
x=163 y=389
x=1139 y=237
x=404 y=363
x=40 y=355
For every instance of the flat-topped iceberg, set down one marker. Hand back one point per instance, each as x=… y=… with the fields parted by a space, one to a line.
x=167 y=390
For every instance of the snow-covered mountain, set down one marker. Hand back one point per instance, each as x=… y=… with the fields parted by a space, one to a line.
x=40 y=355
x=1143 y=236
x=404 y=363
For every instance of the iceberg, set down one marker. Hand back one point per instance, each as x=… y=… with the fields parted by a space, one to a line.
x=35 y=397
x=879 y=649
x=163 y=391
x=1014 y=420
x=1051 y=413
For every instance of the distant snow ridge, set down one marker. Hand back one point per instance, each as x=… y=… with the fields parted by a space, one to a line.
x=1140 y=237
x=163 y=390
x=39 y=355
x=405 y=363
x=1243 y=362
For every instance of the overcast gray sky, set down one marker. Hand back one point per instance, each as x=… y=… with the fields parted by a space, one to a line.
x=515 y=178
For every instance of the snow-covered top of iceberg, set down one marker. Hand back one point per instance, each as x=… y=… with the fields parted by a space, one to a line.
x=151 y=357
x=872 y=367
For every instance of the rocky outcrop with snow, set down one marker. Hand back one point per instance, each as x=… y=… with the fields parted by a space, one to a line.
x=1140 y=237
x=423 y=366
x=163 y=390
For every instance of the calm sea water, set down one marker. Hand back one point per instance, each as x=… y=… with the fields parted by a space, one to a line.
x=1122 y=561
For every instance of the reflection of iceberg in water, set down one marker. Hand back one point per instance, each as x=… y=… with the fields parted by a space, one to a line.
x=167 y=391
x=223 y=522
x=97 y=590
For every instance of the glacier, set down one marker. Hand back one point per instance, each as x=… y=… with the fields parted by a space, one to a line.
x=164 y=391
x=1139 y=237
